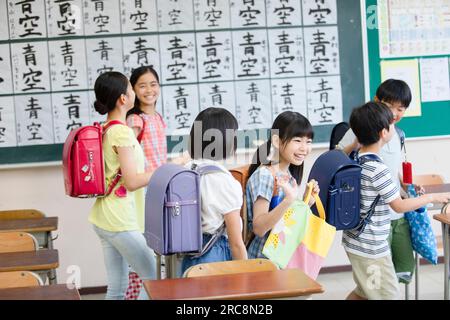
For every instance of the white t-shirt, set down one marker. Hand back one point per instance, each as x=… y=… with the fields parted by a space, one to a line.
x=220 y=193
x=392 y=157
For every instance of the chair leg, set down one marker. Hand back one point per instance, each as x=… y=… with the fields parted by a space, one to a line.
x=406 y=291
x=416 y=257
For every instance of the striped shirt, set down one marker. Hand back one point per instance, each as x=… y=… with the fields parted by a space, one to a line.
x=373 y=243
x=153 y=140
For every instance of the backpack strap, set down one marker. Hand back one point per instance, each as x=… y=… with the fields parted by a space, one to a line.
x=367 y=219
x=219 y=232
x=118 y=174
x=401 y=135
x=141 y=134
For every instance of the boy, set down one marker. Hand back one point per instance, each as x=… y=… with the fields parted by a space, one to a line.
x=368 y=251
x=397 y=96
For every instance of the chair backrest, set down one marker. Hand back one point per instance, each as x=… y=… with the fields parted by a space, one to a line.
x=424 y=179
x=21 y=214
x=228 y=267
x=18 y=279
x=17 y=242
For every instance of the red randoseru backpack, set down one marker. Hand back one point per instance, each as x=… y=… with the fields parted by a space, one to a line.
x=83 y=166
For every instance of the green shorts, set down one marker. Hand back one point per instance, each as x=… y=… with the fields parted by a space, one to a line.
x=401 y=250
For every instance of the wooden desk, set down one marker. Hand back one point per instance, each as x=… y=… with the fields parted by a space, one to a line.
x=252 y=285
x=42 y=260
x=39 y=227
x=444 y=219
x=52 y=292
x=30 y=225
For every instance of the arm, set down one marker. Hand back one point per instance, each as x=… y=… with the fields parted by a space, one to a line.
x=400 y=205
x=132 y=179
x=233 y=225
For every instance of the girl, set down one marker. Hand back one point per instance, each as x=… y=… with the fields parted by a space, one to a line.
x=221 y=194
x=147 y=124
x=118 y=218
x=149 y=127
x=289 y=144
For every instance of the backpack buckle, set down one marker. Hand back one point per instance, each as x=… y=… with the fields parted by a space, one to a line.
x=176 y=209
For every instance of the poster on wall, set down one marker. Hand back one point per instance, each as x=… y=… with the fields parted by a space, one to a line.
x=413 y=28
x=256 y=58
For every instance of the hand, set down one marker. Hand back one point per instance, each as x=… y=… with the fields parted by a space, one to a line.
x=440 y=197
x=419 y=189
x=290 y=189
x=315 y=191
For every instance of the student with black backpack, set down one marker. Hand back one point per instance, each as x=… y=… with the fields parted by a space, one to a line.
x=396 y=95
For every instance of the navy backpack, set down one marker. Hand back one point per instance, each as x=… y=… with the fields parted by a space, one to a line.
x=339 y=179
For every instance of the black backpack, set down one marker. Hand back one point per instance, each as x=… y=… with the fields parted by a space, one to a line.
x=338 y=133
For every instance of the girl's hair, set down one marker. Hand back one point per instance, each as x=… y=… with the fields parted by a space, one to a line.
x=108 y=87
x=135 y=75
x=287 y=126
x=213 y=135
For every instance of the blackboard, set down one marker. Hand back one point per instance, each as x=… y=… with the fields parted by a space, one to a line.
x=351 y=77
x=435 y=115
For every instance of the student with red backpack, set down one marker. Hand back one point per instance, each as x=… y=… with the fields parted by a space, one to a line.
x=118 y=218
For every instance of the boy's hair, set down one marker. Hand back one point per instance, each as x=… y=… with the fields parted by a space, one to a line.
x=287 y=125
x=108 y=87
x=393 y=90
x=135 y=75
x=368 y=120
x=213 y=135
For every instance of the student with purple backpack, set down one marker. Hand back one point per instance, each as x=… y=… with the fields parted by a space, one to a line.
x=220 y=194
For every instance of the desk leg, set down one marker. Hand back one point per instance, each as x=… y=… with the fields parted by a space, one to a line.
x=158 y=267
x=52 y=273
x=446 y=243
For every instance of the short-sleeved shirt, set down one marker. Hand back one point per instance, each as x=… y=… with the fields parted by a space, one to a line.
x=220 y=193
x=373 y=241
x=392 y=156
x=114 y=213
x=153 y=140
x=260 y=184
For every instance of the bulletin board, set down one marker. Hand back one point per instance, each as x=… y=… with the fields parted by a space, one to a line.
x=414 y=33
x=256 y=58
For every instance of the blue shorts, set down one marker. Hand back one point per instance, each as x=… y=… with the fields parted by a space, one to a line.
x=220 y=251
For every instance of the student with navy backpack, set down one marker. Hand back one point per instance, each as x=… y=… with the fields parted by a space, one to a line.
x=118 y=218
x=395 y=94
x=368 y=248
x=213 y=139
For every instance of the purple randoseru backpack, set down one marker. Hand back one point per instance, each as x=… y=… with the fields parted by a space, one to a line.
x=172 y=209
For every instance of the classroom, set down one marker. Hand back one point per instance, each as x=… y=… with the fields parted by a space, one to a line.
x=254 y=58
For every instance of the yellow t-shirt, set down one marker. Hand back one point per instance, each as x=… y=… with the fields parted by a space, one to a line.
x=114 y=213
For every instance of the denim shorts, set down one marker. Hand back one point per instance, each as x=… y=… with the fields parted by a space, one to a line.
x=220 y=251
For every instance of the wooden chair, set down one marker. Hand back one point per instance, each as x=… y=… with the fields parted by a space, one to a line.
x=227 y=267
x=21 y=214
x=17 y=242
x=18 y=279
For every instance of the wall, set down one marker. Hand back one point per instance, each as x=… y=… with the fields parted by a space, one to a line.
x=42 y=188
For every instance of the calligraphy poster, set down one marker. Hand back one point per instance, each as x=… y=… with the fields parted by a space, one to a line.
x=255 y=58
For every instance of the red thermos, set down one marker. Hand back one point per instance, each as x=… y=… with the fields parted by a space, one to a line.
x=407 y=172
